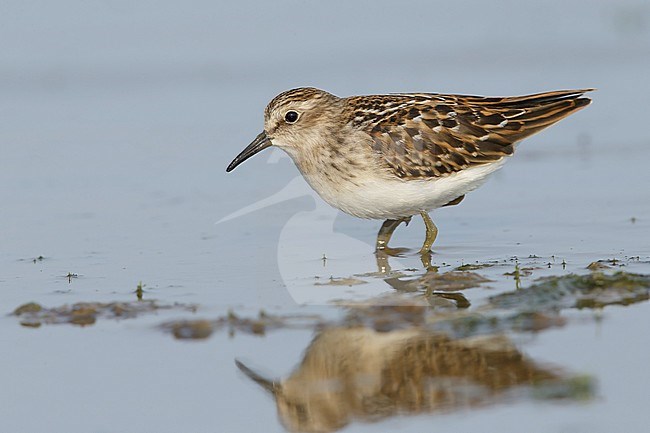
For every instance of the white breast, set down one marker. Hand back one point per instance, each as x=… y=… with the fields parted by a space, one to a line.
x=378 y=197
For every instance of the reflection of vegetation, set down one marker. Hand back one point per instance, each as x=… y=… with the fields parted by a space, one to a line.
x=395 y=358
x=404 y=353
x=432 y=282
x=442 y=290
x=87 y=313
x=260 y=325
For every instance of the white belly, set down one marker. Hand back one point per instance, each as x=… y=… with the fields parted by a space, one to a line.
x=393 y=198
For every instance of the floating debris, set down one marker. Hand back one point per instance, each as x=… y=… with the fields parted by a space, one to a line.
x=342 y=282
x=598 y=266
x=191 y=329
x=260 y=325
x=606 y=264
x=87 y=313
x=28 y=308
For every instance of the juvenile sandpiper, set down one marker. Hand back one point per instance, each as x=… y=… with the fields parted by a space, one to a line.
x=393 y=156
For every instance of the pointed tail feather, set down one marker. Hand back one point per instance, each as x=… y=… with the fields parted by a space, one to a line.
x=527 y=115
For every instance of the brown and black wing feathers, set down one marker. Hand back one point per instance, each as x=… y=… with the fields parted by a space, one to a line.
x=434 y=135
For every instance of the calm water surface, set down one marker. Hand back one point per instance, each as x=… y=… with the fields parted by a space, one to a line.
x=118 y=121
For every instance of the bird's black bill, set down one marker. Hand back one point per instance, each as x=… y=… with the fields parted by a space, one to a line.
x=260 y=143
x=269 y=385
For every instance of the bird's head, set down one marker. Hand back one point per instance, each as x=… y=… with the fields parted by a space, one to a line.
x=293 y=121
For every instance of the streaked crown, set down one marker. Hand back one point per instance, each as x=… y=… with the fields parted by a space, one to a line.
x=297 y=109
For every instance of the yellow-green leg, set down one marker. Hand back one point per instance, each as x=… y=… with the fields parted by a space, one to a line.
x=432 y=233
x=385 y=233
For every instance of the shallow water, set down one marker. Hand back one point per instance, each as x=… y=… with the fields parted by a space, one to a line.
x=118 y=121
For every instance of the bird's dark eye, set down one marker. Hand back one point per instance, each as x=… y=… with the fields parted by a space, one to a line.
x=291 y=116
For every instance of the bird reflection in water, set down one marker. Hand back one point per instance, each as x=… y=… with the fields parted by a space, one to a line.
x=368 y=373
x=439 y=289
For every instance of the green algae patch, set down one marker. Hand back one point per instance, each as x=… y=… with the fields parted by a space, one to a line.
x=538 y=307
x=439 y=305
x=474 y=266
x=34 y=315
x=579 y=387
x=28 y=308
x=594 y=290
